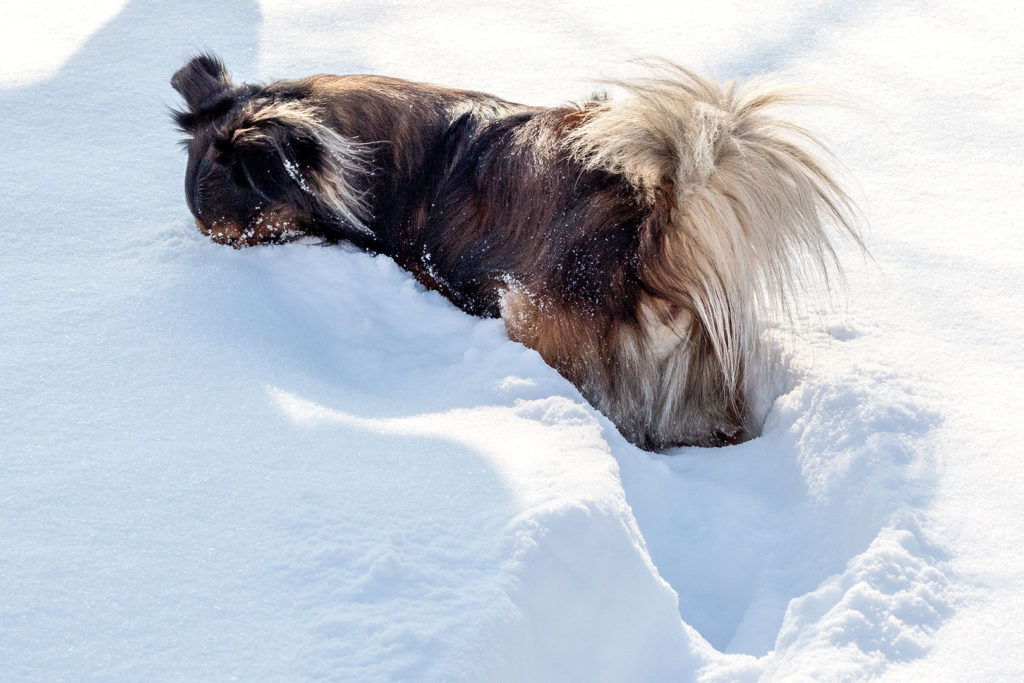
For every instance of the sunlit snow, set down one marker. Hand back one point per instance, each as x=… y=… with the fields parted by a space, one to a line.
x=293 y=462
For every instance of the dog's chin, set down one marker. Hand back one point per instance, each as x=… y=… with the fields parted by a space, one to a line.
x=267 y=227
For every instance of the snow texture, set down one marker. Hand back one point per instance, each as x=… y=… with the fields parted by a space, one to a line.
x=295 y=463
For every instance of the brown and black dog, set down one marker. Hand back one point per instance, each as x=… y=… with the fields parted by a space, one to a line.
x=637 y=244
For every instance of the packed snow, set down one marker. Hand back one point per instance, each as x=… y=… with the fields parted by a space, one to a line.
x=294 y=462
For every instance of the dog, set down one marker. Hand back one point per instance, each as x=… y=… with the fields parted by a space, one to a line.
x=638 y=244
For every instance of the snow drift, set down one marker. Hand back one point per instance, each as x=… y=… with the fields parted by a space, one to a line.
x=206 y=474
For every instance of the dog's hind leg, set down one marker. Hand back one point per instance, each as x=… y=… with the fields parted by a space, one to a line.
x=654 y=376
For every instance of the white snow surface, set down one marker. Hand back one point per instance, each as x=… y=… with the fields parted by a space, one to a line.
x=295 y=463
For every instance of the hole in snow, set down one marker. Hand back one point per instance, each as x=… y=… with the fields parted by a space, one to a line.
x=741 y=531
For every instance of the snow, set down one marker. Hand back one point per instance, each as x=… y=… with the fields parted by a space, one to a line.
x=294 y=462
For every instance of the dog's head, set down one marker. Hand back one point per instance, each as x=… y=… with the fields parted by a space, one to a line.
x=264 y=164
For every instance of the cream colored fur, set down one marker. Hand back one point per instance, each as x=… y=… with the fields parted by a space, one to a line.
x=752 y=206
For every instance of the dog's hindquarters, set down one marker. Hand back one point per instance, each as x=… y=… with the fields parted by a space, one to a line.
x=740 y=218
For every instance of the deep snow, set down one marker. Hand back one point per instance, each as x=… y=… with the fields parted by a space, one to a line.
x=293 y=462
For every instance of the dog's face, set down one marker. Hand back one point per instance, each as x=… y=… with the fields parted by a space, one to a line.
x=262 y=165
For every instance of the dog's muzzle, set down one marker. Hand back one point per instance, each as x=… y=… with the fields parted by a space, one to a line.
x=266 y=227
x=223 y=232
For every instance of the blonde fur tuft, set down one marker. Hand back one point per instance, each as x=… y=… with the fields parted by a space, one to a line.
x=345 y=161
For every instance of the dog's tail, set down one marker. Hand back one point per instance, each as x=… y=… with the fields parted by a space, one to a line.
x=749 y=203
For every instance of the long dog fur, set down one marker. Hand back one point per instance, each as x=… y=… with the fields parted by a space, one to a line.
x=637 y=244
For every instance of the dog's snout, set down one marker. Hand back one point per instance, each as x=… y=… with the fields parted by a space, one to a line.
x=215 y=206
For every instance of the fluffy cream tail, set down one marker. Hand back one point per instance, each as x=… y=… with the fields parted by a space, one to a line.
x=750 y=208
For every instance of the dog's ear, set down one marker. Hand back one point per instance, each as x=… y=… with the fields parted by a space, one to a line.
x=286 y=154
x=207 y=89
x=201 y=81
